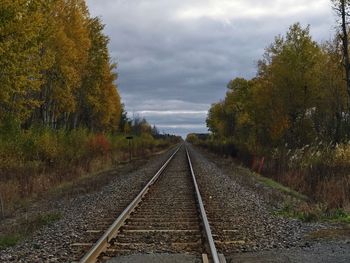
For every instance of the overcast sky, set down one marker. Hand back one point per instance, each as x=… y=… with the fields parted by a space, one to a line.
x=176 y=57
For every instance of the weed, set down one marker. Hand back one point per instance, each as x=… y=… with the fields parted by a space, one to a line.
x=338 y=215
x=46 y=219
x=312 y=213
x=271 y=183
x=9 y=240
x=26 y=227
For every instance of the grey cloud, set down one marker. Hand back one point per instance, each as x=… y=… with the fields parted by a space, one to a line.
x=166 y=62
x=166 y=105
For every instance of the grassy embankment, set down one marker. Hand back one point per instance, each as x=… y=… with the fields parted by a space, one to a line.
x=319 y=172
x=34 y=161
x=42 y=162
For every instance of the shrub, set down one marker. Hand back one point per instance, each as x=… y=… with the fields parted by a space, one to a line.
x=34 y=160
x=98 y=145
x=321 y=170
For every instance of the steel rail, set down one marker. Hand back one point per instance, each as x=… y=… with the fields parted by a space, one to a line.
x=209 y=236
x=102 y=243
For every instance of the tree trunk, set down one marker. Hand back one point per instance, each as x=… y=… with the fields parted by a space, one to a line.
x=345 y=41
x=2 y=207
x=338 y=119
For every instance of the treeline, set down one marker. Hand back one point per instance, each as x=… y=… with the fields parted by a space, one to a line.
x=55 y=67
x=61 y=115
x=299 y=95
x=292 y=120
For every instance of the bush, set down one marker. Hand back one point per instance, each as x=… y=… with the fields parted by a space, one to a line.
x=37 y=159
x=98 y=145
x=321 y=170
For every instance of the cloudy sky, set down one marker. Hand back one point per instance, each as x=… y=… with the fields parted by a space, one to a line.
x=176 y=57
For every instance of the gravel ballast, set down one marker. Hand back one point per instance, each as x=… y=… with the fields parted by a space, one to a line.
x=261 y=236
x=54 y=243
x=240 y=213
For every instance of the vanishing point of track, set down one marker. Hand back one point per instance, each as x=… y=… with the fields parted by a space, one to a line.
x=167 y=216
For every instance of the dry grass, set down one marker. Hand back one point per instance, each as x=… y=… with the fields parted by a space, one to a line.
x=34 y=161
x=320 y=171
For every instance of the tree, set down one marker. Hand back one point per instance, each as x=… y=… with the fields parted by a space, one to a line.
x=124 y=120
x=329 y=117
x=216 y=120
x=283 y=104
x=68 y=43
x=55 y=66
x=293 y=75
x=21 y=61
x=99 y=101
x=342 y=9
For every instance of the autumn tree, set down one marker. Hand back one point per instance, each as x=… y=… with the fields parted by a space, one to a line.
x=21 y=59
x=55 y=66
x=293 y=77
x=218 y=120
x=100 y=106
x=68 y=43
x=290 y=102
x=330 y=118
x=342 y=8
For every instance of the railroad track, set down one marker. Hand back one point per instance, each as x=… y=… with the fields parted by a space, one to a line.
x=167 y=216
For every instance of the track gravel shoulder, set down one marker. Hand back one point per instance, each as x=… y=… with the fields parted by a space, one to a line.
x=247 y=208
x=81 y=213
x=156 y=258
x=240 y=207
x=330 y=252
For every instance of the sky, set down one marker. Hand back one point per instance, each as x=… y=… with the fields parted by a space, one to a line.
x=175 y=58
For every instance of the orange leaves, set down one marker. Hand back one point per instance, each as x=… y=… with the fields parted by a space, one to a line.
x=99 y=145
